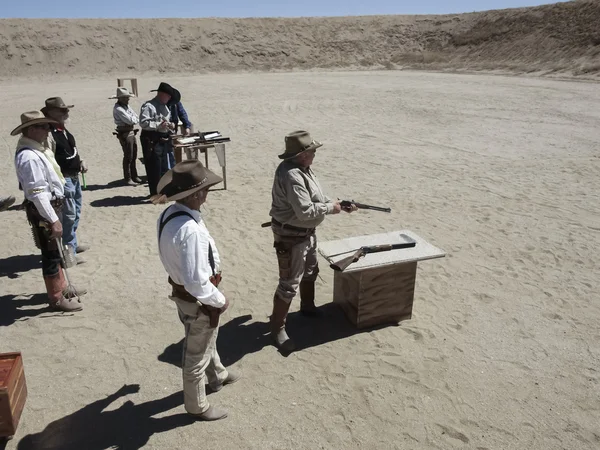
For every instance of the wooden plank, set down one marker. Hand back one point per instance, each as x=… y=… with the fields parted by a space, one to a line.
x=334 y=251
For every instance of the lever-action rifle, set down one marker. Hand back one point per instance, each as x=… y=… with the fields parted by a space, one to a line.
x=349 y=203
x=343 y=263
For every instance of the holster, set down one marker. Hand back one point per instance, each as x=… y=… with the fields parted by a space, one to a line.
x=283 y=248
x=40 y=226
x=212 y=312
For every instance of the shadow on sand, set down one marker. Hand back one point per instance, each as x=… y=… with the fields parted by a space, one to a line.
x=91 y=428
x=238 y=338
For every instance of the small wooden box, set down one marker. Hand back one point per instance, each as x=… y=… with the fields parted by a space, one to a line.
x=13 y=392
x=379 y=288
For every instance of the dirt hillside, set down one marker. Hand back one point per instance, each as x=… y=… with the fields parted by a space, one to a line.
x=562 y=38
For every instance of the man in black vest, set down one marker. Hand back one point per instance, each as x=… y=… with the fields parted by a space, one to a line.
x=62 y=143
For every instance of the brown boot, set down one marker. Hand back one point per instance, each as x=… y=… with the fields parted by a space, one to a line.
x=277 y=322
x=54 y=287
x=307 y=298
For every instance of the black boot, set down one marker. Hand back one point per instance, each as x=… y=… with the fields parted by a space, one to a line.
x=307 y=298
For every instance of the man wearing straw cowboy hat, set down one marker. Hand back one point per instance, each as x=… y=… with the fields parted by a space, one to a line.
x=298 y=207
x=190 y=257
x=155 y=121
x=44 y=194
x=63 y=145
x=125 y=119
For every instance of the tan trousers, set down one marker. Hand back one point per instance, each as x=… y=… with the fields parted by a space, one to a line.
x=297 y=259
x=200 y=357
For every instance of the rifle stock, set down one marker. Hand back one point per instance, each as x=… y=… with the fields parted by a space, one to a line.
x=343 y=263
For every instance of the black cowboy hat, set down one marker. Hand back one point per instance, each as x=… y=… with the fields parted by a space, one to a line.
x=168 y=89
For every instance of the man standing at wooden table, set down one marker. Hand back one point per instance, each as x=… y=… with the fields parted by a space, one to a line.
x=155 y=121
x=299 y=206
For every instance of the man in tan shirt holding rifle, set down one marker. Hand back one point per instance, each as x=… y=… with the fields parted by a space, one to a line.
x=299 y=206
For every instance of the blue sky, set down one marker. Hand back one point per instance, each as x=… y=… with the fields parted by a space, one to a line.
x=243 y=8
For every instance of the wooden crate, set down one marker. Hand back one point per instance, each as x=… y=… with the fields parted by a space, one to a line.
x=376 y=296
x=13 y=392
x=378 y=288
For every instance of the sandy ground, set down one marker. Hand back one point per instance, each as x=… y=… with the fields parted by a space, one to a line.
x=502 y=351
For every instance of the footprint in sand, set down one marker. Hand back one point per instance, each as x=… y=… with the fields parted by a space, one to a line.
x=453 y=433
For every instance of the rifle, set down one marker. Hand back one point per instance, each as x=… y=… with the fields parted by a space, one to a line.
x=343 y=263
x=349 y=203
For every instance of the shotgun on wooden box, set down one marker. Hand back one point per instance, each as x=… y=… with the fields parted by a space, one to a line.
x=13 y=392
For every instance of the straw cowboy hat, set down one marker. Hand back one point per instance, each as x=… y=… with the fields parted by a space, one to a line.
x=55 y=103
x=30 y=118
x=122 y=92
x=184 y=179
x=168 y=89
x=298 y=142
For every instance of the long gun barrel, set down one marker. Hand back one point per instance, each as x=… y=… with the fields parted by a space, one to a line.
x=343 y=263
x=349 y=203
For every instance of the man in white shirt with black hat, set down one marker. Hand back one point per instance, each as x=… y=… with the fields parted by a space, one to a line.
x=190 y=256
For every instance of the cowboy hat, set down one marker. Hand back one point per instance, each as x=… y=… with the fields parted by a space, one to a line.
x=184 y=179
x=30 y=118
x=122 y=92
x=55 y=103
x=170 y=90
x=298 y=142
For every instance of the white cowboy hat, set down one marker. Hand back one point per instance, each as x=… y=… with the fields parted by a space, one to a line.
x=30 y=118
x=122 y=92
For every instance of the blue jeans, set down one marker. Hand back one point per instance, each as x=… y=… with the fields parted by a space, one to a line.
x=71 y=211
x=167 y=159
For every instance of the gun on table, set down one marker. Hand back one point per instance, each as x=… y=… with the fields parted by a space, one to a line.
x=343 y=263
x=349 y=203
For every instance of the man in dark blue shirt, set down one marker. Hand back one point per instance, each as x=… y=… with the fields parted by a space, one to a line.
x=178 y=113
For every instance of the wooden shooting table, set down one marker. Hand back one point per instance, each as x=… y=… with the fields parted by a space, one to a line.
x=195 y=144
x=378 y=288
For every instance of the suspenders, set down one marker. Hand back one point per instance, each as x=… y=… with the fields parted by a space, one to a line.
x=211 y=258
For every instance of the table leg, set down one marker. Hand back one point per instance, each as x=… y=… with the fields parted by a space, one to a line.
x=178 y=155
x=206 y=157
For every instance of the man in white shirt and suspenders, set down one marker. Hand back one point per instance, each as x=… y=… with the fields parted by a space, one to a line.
x=191 y=259
x=44 y=194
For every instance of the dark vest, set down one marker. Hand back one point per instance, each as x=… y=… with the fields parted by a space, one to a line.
x=66 y=153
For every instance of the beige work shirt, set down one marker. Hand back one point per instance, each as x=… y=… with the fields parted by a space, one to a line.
x=298 y=198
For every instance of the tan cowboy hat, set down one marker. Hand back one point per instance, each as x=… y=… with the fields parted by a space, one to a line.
x=122 y=92
x=55 y=103
x=30 y=118
x=184 y=179
x=298 y=142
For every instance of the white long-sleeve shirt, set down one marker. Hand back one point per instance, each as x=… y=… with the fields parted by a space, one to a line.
x=124 y=115
x=152 y=115
x=38 y=178
x=183 y=250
